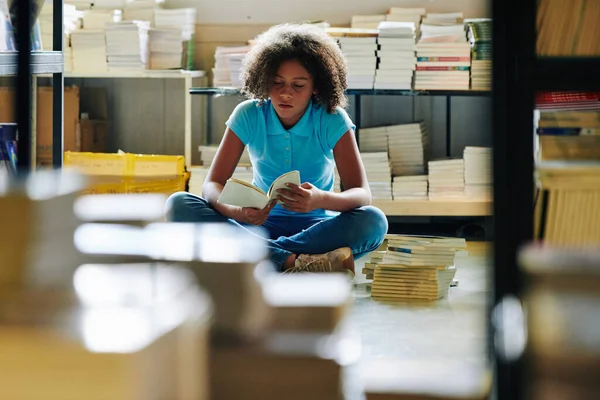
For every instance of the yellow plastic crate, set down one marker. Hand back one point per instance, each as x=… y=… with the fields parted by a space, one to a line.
x=125 y=164
x=130 y=173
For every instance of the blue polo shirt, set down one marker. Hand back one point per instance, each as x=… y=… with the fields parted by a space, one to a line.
x=306 y=147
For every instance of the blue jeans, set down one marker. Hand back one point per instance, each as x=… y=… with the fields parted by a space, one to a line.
x=362 y=229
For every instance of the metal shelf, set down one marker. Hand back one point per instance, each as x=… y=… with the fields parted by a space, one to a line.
x=567 y=73
x=42 y=62
x=228 y=91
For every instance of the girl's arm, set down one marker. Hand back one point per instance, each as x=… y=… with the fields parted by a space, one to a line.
x=353 y=176
x=226 y=159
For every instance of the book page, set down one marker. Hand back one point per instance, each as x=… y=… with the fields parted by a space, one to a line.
x=289 y=177
x=243 y=194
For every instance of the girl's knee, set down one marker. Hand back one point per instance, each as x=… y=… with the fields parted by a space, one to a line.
x=177 y=205
x=372 y=224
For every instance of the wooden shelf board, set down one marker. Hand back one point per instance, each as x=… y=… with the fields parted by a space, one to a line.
x=437 y=208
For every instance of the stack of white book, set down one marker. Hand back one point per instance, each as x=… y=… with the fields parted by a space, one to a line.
x=410 y=187
x=374 y=139
x=396 y=55
x=89 y=50
x=127 y=45
x=141 y=10
x=379 y=174
x=359 y=47
x=443 y=53
x=165 y=49
x=366 y=21
x=228 y=62
x=71 y=21
x=478 y=172
x=181 y=19
x=207 y=154
x=446 y=179
x=408 y=147
x=406 y=14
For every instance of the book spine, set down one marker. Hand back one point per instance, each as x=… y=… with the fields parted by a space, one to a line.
x=443 y=58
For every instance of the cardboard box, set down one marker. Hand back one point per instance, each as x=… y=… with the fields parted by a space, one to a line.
x=7 y=105
x=44 y=122
x=94 y=120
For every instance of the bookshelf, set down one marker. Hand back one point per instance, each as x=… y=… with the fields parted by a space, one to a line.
x=518 y=73
x=400 y=207
x=187 y=77
x=24 y=65
x=359 y=93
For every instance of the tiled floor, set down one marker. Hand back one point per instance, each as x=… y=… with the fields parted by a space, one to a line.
x=451 y=329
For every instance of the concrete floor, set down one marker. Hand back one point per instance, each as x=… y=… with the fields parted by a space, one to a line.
x=449 y=330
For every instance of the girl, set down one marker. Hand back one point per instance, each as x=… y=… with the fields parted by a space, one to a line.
x=296 y=77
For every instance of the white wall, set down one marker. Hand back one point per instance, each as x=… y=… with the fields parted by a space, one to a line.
x=337 y=12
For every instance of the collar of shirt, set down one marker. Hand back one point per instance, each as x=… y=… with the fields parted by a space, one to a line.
x=302 y=128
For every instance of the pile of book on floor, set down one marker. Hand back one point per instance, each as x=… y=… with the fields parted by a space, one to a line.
x=479 y=34
x=359 y=47
x=443 y=53
x=379 y=174
x=228 y=65
x=413 y=187
x=414 y=268
x=396 y=55
x=127 y=45
x=478 y=172
x=446 y=179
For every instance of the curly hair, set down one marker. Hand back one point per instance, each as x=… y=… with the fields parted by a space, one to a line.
x=312 y=47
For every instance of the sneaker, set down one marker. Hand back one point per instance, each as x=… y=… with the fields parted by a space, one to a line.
x=340 y=260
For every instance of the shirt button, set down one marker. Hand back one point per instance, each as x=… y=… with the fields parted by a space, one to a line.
x=287 y=161
x=287 y=136
x=287 y=148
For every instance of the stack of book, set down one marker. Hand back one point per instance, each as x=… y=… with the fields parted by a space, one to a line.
x=359 y=47
x=127 y=45
x=446 y=179
x=140 y=10
x=443 y=54
x=228 y=63
x=379 y=174
x=478 y=172
x=366 y=21
x=180 y=19
x=410 y=187
x=374 y=139
x=414 y=268
x=71 y=22
x=88 y=47
x=396 y=55
x=479 y=34
x=571 y=130
x=408 y=148
x=165 y=49
x=406 y=14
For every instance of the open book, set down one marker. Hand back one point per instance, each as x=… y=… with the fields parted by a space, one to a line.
x=243 y=194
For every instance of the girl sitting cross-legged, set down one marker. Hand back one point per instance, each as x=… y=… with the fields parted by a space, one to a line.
x=295 y=120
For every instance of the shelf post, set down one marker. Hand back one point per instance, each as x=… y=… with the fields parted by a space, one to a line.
x=449 y=126
x=58 y=87
x=23 y=87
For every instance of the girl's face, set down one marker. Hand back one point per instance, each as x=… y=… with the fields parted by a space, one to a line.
x=291 y=90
